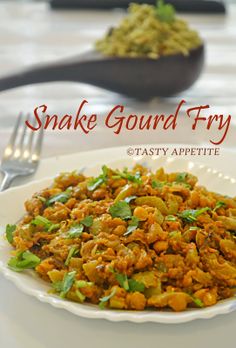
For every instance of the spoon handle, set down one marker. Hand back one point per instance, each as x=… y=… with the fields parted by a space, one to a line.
x=45 y=73
x=82 y=68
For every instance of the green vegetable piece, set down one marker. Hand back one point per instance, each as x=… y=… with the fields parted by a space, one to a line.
x=198 y=302
x=23 y=260
x=10 y=229
x=96 y=182
x=130 y=199
x=147 y=278
x=165 y=12
x=219 y=204
x=125 y=192
x=83 y=283
x=170 y=218
x=120 y=209
x=194 y=228
x=157 y=184
x=133 y=225
x=192 y=215
x=75 y=231
x=80 y=295
x=61 y=197
x=105 y=299
x=42 y=221
x=53 y=227
x=174 y=234
x=42 y=199
x=87 y=221
x=66 y=284
x=73 y=251
x=161 y=266
x=105 y=171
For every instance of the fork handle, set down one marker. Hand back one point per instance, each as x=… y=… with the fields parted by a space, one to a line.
x=7 y=180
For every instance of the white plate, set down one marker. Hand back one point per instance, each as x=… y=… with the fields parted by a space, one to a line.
x=12 y=209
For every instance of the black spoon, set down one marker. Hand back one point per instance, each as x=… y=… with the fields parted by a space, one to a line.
x=141 y=78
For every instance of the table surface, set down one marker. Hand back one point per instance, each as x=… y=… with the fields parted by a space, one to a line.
x=31 y=33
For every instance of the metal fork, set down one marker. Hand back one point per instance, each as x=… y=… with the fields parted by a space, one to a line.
x=22 y=154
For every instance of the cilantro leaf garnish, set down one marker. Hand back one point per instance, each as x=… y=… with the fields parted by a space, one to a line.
x=136 y=178
x=157 y=184
x=23 y=260
x=181 y=177
x=94 y=183
x=87 y=221
x=122 y=280
x=44 y=222
x=219 y=204
x=133 y=225
x=105 y=299
x=61 y=197
x=75 y=231
x=130 y=285
x=66 y=284
x=165 y=12
x=120 y=209
x=10 y=229
x=73 y=251
x=192 y=215
x=135 y=286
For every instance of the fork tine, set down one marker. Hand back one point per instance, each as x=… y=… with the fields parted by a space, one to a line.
x=22 y=154
x=38 y=143
x=20 y=147
x=29 y=139
x=13 y=137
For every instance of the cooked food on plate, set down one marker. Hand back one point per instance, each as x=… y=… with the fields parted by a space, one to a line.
x=129 y=239
x=149 y=31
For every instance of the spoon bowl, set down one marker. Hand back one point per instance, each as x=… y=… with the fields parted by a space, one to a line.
x=141 y=78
